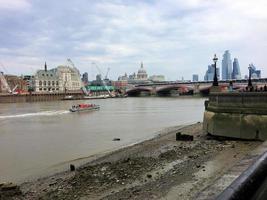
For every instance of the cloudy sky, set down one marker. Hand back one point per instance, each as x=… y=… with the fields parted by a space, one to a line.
x=172 y=37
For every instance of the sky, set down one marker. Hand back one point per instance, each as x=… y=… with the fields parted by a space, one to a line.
x=175 y=38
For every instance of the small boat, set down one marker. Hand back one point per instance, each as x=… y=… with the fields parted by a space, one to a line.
x=84 y=107
x=69 y=97
x=95 y=97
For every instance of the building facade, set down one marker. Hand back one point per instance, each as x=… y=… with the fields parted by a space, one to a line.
x=236 y=70
x=226 y=66
x=60 y=79
x=157 y=78
x=140 y=77
x=12 y=84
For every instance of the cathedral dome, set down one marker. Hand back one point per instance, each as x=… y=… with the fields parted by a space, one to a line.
x=142 y=70
x=142 y=75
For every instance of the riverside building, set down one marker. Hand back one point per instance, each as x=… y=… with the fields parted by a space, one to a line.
x=60 y=79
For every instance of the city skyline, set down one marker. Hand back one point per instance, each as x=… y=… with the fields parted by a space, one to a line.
x=118 y=34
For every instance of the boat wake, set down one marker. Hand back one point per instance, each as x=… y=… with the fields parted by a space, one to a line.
x=43 y=113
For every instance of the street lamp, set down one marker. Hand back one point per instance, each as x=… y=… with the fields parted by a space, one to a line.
x=249 y=77
x=215 y=79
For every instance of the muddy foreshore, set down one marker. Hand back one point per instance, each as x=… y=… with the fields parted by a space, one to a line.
x=160 y=168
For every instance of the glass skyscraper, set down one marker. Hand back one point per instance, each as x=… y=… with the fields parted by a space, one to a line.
x=254 y=72
x=226 y=66
x=210 y=73
x=236 y=70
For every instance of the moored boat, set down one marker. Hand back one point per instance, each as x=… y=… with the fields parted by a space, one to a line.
x=84 y=107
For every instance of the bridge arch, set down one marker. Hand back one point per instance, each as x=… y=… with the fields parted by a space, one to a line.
x=139 y=91
x=170 y=90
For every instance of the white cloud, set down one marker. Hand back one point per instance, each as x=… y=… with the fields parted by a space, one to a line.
x=14 y=5
x=175 y=35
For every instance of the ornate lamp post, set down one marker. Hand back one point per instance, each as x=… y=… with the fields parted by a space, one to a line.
x=249 y=77
x=215 y=79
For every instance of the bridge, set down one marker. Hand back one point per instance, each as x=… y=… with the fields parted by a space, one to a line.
x=173 y=88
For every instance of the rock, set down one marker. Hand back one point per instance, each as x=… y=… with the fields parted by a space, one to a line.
x=190 y=156
x=72 y=167
x=116 y=139
x=53 y=183
x=149 y=176
x=198 y=166
x=9 y=190
x=8 y=186
x=184 y=137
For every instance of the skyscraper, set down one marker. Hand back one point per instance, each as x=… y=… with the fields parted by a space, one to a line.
x=85 y=77
x=236 y=70
x=226 y=66
x=210 y=73
x=254 y=72
x=195 y=78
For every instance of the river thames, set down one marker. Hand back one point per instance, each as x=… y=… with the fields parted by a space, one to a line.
x=44 y=137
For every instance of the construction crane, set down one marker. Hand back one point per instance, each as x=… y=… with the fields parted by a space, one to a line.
x=69 y=61
x=83 y=87
x=106 y=77
x=3 y=67
x=104 y=83
x=3 y=82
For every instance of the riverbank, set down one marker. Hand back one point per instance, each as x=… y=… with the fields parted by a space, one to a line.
x=160 y=168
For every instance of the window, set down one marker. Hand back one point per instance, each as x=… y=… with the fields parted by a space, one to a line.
x=53 y=83
x=41 y=89
x=40 y=82
x=51 y=75
x=44 y=83
x=42 y=74
x=57 y=82
x=49 y=83
x=46 y=74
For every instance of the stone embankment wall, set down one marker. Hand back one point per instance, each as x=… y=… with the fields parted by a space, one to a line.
x=34 y=97
x=238 y=115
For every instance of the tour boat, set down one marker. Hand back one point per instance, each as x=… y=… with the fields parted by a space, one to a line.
x=84 y=107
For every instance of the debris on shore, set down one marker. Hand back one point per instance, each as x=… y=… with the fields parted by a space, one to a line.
x=184 y=137
x=8 y=190
x=148 y=170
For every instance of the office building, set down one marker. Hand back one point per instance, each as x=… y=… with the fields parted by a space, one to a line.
x=195 y=78
x=236 y=70
x=226 y=66
x=210 y=73
x=254 y=72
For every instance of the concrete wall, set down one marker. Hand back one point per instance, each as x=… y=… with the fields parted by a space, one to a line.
x=37 y=97
x=237 y=115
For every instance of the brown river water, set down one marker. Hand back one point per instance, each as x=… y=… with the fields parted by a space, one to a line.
x=44 y=137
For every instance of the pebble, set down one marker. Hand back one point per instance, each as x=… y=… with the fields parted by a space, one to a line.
x=149 y=176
